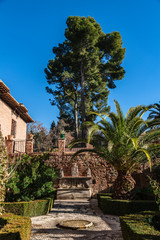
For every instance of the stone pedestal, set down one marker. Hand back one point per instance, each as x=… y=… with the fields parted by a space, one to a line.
x=29 y=144
x=74 y=188
x=80 y=193
x=61 y=145
x=9 y=146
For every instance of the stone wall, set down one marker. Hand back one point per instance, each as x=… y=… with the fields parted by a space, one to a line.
x=103 y=175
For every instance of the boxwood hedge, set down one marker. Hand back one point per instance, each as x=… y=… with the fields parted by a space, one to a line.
x=139 y=227
x=30 y=209
x=15 y=227
x=122 y=207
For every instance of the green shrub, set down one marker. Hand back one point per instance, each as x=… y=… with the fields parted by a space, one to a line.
x=156 y=222
x=32 y=180
x=15 y=227
x=138 y=227
x=30 y=209
x=145 y=193
x=107 y=195
x=122 y=207
x=51 y=199
x=155 y=183
x=6 y=172
x=156 y=189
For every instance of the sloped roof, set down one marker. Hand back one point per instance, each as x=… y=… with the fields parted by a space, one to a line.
x=19 y=108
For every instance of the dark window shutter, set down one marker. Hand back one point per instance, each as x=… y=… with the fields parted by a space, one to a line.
x=13 y=128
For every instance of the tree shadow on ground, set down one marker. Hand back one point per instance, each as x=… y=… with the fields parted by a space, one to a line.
x=77 y=234
x=79 y=207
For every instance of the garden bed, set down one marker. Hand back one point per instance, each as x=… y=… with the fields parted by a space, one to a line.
x=139 y=226
x=122 y=207
x=31 y=208
x=15 y=227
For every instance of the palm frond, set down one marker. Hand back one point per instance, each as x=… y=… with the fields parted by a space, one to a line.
x=135 y=124
x=154 y=113
x=119 y=111
x=77 y=141
x=133 y=112
x=149 y=124
x=91 y=131
x=124 y=142
x=113 y=117
x=147 y=155
x=99 y=115
x=150 y=137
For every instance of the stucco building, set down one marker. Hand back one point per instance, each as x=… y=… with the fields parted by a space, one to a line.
x=13 y=119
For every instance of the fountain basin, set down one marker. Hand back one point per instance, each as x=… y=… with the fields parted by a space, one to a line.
x=75 y=224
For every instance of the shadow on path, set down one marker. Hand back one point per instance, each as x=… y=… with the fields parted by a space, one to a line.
x=106 y=227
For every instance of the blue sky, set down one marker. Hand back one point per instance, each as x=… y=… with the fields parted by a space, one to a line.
x=30 y=28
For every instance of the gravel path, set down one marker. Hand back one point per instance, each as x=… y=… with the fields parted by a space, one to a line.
x=106 y=227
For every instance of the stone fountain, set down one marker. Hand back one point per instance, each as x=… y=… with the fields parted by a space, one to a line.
x=74 y=186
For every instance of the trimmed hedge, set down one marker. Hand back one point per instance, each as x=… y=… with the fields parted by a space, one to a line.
x=30 y=209
x=137 y=227
x=108 y=195
x=15 y=227
x=122 y=207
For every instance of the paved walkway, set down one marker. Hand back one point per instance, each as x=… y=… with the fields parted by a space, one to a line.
x=106 y=227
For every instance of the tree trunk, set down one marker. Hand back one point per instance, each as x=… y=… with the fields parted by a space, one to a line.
x=83 y=100
x=76 y=117
x=123 y=186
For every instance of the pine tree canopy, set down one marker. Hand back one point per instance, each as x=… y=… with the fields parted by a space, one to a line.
x=84 y=66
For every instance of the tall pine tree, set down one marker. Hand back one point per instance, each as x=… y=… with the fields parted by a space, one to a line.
x=84 y=66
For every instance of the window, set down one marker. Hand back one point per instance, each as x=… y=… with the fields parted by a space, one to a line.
x=13 y=128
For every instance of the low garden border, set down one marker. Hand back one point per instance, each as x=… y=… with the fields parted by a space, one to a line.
x=122 y=207
x=31 y=208
x=15 y=227
x=138 y=227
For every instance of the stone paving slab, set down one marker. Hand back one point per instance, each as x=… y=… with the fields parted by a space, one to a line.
x=106 y=227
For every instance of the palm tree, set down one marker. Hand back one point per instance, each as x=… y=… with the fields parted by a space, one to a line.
x=125 y=142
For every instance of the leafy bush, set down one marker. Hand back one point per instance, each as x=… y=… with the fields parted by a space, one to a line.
x=3 y=171
x=156 y=170
x=155 y=183
x=156 y=189
x=156 y=222
x=138 y=227
x=33 y=179
x=6 y=172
